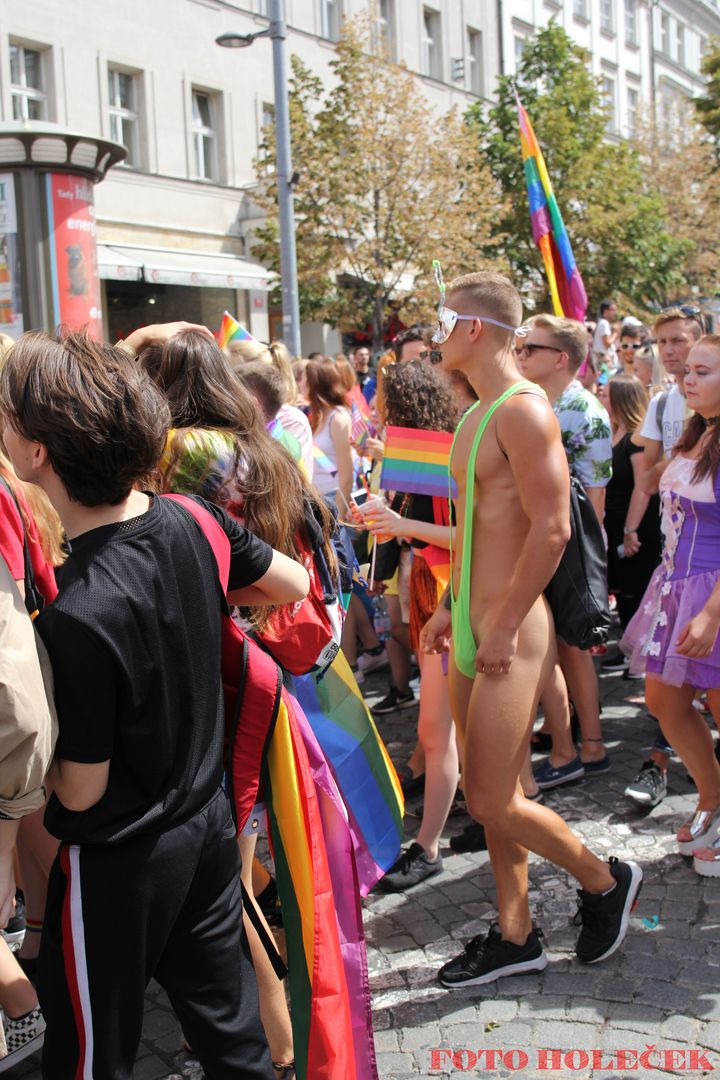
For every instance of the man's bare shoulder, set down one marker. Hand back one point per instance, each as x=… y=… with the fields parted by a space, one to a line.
x=527 y=418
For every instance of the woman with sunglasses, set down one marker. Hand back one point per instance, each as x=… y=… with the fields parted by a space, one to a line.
x=674 y=635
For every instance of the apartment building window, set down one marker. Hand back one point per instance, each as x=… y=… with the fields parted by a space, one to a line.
x=607 y=16
x=519 y=43
x=474 y=69
x=580 y=9
x=385 y=28
x=633 y=102
x=432 y=44
x=263 y=8
x=609 y=90
x=204 y=135
x=665 y=33
x=27 y=84
x=330 y=18
x=122 y=109
x=680 y=44
x=631 y=22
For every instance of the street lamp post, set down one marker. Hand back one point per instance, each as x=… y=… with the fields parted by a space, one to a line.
x=277 y=32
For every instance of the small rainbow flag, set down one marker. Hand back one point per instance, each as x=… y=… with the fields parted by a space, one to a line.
x=416 y=461
x=231 y=330
x=566 y=285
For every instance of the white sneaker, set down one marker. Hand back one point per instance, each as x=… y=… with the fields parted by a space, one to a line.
x=369 y=662
x=23 y=1037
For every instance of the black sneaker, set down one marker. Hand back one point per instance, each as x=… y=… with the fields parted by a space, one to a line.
x=614 y=661
x=410 y=869
x=604 y=917
x=394 y=701
x=486 y=959
x=472 y=838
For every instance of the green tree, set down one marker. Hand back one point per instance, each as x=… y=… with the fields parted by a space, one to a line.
x=385 y=186
x=616 y=222
x=708 y=106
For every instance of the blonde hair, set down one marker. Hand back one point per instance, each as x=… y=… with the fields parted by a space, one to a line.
x=672 y=314
x=492 y=295
x=276 y=353
x=568 y=334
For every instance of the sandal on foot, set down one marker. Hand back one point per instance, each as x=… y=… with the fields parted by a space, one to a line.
x=703 y=828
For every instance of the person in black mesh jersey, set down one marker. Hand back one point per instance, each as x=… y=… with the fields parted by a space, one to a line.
x=146 y=882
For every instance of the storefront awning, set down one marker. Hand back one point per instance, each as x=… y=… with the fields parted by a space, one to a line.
x=167 y=266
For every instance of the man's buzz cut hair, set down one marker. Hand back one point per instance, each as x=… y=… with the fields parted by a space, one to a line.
x=568 y=335
x=490 y=294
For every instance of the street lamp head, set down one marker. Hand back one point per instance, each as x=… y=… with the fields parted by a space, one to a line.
x=238 y=41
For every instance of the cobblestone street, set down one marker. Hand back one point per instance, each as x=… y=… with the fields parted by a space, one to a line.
x=661 y=989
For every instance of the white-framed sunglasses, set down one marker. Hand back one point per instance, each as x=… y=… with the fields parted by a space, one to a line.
x=447 y=318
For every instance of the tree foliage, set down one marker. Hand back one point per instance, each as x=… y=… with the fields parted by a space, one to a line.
x=384 y=188
x=616 y=221
x=708 y=106
x=679 y=160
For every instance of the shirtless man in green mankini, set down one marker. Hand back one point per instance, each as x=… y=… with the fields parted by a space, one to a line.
x=512 y=526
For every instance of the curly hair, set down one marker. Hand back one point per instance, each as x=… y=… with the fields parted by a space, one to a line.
x=418 y=395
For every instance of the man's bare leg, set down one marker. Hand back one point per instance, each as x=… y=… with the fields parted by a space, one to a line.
x=499 y=719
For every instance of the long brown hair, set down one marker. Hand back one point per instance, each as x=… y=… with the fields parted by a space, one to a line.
x=325 y=389
x=629 y=401
x=204 y=392
x=709 y=460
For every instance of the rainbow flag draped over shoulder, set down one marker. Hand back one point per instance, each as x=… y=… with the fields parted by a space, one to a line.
x=231 y=330
x=416 y=461
x=566 y=285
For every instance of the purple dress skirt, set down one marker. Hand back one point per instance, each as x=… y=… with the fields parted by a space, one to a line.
x=682 y=583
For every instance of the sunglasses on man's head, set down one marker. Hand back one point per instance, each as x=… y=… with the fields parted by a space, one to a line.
x=688 y=311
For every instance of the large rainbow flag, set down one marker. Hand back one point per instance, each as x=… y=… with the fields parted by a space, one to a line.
x=416 y=461
x=231 y=330
x=566 y=285
x=335 y=813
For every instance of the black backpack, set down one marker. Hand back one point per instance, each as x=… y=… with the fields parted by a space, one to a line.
x=578 y=591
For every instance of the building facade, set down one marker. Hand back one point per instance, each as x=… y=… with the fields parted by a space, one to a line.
x=174 y=221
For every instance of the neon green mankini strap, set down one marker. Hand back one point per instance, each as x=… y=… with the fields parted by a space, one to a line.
x=464 y=646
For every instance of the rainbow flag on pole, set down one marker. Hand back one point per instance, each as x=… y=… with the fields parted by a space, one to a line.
x=231 y=330
x=566 y=285
x=416 y=461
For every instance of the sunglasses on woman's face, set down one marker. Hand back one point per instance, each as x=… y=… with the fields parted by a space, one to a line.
x=632 y=345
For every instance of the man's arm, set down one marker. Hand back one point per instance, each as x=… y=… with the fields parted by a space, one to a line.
x=596 y=495
x=650 y=473
x=528 y=433
x=79 y=786
x=284 y=582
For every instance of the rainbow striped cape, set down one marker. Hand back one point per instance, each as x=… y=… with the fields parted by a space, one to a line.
x=566 y=285
x=335 y=815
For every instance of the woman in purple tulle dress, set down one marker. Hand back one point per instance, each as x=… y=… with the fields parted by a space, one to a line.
x=674 y=635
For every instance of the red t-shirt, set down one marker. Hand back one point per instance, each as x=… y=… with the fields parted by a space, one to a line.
x=12 y=540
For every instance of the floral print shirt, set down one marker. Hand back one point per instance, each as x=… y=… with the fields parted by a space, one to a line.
x=586 y=436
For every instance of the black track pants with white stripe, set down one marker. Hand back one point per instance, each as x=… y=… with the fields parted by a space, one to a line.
x=166 y=907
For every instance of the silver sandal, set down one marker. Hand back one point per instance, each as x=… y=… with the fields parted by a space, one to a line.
x=704 y=827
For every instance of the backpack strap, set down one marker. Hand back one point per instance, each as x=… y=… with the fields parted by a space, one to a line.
x=34 y=600
x=214 y=534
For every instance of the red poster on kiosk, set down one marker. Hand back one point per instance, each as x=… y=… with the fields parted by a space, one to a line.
x=73 y=253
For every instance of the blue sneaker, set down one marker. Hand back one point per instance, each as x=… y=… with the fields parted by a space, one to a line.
x=548 y=775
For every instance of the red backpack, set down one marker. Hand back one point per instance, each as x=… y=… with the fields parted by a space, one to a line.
x=251 y=684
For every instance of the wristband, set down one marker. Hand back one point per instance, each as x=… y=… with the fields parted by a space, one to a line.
x=127 y=349
x=629 y=532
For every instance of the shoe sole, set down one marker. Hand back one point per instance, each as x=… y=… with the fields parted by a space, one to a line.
x=706 y=869
x=613 y=667
x=525 y=967
x=569 y=779
x=646 y=801
x=30 y=1047
x=396 y=708
x=630 y=901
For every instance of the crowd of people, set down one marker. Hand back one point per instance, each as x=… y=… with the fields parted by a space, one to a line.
x=119 y=854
